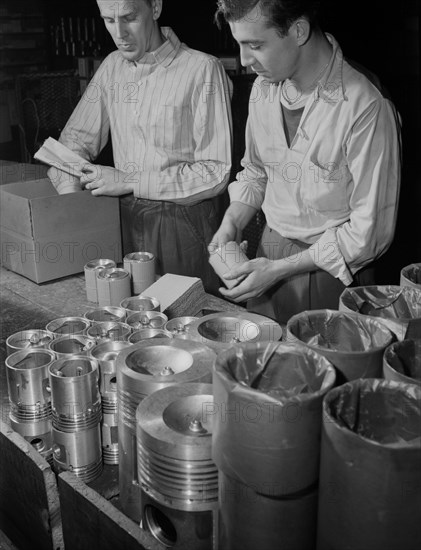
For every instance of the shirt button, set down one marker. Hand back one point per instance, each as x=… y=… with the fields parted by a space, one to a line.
x=139 y=83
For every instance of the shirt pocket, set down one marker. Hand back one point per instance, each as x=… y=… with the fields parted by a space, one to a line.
x=171 y=127
x=326 y=186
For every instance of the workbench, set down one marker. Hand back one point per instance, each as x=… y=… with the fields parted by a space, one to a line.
x=87 y=515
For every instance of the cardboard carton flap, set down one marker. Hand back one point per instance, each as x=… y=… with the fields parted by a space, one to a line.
x=36 y=209
x=64 y=213
x=30 y=189
x=15 y=211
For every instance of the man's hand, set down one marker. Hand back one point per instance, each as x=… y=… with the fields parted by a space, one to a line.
x=104 y=180
x=227 y=232
x=260 y=274
x=235 y=219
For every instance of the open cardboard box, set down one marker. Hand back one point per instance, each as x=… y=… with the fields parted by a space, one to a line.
x=46 y=236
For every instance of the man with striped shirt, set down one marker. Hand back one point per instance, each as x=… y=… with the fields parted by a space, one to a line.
x=167 y=108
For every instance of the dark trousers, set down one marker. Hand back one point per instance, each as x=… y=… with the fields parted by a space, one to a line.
x=307 y=291
x=177 y=235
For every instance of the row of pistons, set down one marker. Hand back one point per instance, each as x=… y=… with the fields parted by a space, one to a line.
x=56 y=405
x=63 y=423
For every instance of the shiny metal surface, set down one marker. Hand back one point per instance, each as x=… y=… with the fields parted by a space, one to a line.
x=148 y=333
x=78 y=452
x=113 y=285
x=106 y=354
x=146 y=319
x=30 y=398
x=134 y=304
x=180 y=326
x=66 y=326
x=75 y=397
x=28 y=339
x=67 y=346
x=106 y=314
x=109 y=331
x=142 y=369
x=174 y=446
x=141 y=266
x=28 y=384
x=109 y=437
x=91 y=270
x=38 y=434
x=222 y=330
x=179 y=529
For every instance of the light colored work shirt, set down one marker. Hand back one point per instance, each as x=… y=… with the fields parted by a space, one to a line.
x=170 y=120
x=336 y=186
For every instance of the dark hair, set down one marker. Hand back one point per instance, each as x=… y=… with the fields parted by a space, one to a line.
x=280 y=13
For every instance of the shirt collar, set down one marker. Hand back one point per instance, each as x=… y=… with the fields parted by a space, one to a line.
x=165 y=54
x=330 y=87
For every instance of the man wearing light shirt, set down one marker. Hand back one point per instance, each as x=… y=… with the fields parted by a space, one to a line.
x=322 y=160
x=167 y=108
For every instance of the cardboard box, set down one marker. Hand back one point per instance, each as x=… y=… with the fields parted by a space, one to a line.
x=46 y=236
x=20 y=171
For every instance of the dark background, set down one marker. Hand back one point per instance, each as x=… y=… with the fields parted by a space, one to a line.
x=383 y=39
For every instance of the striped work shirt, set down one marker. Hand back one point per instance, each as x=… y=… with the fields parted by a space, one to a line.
x=336 y=185
x=169 y=115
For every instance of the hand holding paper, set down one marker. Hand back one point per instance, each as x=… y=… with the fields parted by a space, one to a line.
x=55 y=154
x=59 y=156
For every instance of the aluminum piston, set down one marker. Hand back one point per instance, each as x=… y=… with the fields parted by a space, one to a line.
x=109 y=331
x=106 y=354
x=174 y=445
x=146 y=319
x=141 y=266
x=113 y=284
x=134 y=304
x=106 y=314
x=38 y=434
x=68 y=346
x=91 y=271
x=67 y=326
x=222 y=330
x=180 y=326
x=75 y=397
x=109 y=437
x=142 y=369
x=28 y=339
x=147 y=333
x=28 y=384
x=178 y=477
x=78 y=452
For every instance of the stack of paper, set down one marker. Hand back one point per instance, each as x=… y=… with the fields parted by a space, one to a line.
x=178 y=295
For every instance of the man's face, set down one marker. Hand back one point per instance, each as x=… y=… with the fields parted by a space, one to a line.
x=131 y=24
x=261 y=48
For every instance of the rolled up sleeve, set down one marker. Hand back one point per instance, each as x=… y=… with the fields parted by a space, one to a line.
x=373 y=154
